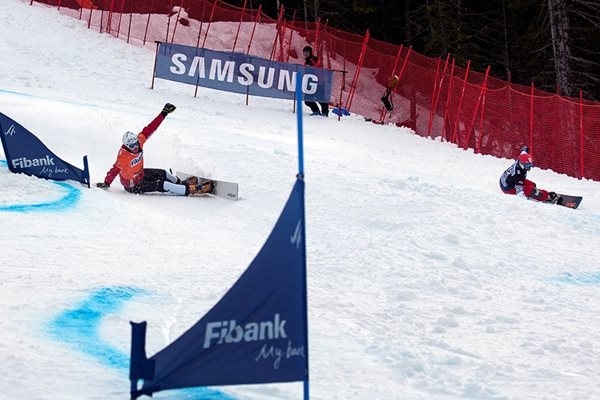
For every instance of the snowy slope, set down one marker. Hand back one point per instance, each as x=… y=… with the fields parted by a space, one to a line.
x=425 y=282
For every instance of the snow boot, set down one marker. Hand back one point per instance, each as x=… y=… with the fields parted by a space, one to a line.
x=190 y=180
x=193 y=186
x=207 y=186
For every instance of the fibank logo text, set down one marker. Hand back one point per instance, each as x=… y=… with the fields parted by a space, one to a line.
x=230 y=332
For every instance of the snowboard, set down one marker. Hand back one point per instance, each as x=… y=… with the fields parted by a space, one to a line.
x=566 y=200
x=226 y=190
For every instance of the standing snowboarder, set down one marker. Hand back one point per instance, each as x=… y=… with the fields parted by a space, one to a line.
x=137 y=179
x=313 y=61
x=387 y=101
x=513 y=180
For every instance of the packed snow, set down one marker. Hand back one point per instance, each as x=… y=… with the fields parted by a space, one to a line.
x=424 y=280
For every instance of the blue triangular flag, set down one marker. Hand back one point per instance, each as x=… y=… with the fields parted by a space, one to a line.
x=27 y=154
x=257 y=333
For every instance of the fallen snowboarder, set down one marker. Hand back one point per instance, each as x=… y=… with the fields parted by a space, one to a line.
x=137 y=179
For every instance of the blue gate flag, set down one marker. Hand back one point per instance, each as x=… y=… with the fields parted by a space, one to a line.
x=27 y=154
x=240 y=73
x=256 y=333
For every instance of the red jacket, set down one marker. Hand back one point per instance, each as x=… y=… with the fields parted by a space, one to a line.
x=129 y=165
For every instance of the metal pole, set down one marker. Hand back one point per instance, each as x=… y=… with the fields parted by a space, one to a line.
x=301 y=177
x=300 y=143
x=154 y=68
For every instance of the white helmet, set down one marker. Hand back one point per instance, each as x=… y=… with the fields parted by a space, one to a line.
x=130 y=140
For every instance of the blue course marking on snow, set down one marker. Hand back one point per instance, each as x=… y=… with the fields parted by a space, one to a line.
x=577 y=278
x=67 y=201
x=49 y=98
x=80 y=328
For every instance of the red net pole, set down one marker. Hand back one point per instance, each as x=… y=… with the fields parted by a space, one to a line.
x=154 y=66
x=316 y=45
x=447 y=105
x=277 y=29
x=90 y=18
x=212 y=14
x=129 y=27
x=148 y=22
x=59 y=1
x=289 y=48
x=239 y=26
x=460 y=102
x=357 y=72
x=282 y=40
x=110 y=14
x=101 y=19
x=168 y=21
x=200 y=28
x=470 y=128
x=107 y=28
x=436 y=83
x=437 y=96
x=396 y=60
x=481 y=117
x=343 y=85
x=581 y=169
x=177 y=21
x=254 y=28
x=120 y=17
x=339 y=102
x=197 y=84
x=404 y=64
x=531 y=119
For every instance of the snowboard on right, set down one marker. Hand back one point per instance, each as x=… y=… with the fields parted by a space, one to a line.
x=566 y=200
x=226 y=190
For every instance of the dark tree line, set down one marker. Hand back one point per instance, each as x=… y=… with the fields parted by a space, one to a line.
x=553 y=43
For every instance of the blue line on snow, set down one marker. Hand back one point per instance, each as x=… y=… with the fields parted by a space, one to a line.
x=80 y=328
x=49 y=98
x=577 y=278
x=67 y=201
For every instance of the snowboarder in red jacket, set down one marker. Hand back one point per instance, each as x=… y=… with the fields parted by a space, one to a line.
x=313 y=61
x=137 y=179
x=513 y=180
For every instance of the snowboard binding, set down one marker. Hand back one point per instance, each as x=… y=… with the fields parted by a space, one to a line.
x=195 y=185
x=564 y=200
x=552 y=198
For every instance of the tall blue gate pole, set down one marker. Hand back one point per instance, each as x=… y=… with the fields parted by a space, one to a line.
x=301 y=176
x=300 y=128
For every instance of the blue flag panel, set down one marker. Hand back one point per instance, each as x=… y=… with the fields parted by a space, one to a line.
x=27 y=154
x=257 y=333
x=240 y=73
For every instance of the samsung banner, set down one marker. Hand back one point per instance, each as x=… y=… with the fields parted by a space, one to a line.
x=257 y=333
x=240 y=73
x=27 y=154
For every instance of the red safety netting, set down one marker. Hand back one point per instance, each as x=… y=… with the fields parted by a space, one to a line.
x=435 y=97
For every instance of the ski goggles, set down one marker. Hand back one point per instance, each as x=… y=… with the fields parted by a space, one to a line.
x=528 y=165
x=133 y=146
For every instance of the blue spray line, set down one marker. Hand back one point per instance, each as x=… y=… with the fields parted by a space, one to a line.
x=55 y=100
x=67 y=201
x=577 y=278
x=79 y=328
